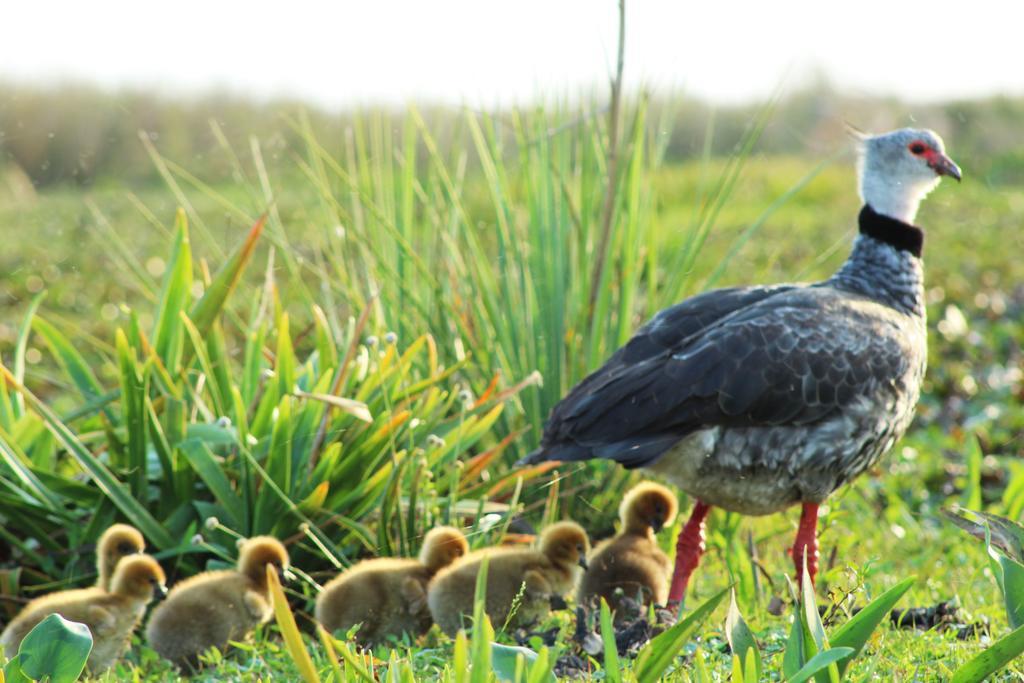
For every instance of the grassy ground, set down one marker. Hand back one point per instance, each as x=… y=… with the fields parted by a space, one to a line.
x=102 y=256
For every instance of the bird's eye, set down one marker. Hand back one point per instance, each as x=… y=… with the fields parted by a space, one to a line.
x=917 y=147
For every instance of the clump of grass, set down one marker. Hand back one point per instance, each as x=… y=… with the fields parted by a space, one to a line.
x=262 y=437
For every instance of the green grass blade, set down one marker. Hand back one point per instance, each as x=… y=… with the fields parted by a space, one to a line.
x=73 y=364
x=209 y=470
x=175 y=296
x=26 y=478
x=133 y=412
x=972 y=492
x=20 y=346
x=113 y=489
x=208 y=308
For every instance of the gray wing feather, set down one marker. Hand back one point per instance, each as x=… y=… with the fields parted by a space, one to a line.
x=792 y=356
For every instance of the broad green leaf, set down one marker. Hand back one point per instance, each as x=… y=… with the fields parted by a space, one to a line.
x=737 y=670
x=809 y=604
x=815 y=639
x=700 y=668
x=991 y=659
x=856 y=632
x=656 y=657
x=56 y=649
x=505 y=662
x=794 y=658
x=1003 y=533
x=1011 y=581
x=12 y=673
x=1004 y=539
x=483 y=632
x=741 y=639
x=612 y=672
x=752 y=666
x=821 y=662
x=460 y=657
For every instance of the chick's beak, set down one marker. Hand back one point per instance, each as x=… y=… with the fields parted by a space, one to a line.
x=943 y=165
x=161 y=591
x=583 y=562
x=657 y=523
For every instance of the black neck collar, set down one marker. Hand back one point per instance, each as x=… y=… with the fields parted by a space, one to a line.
x=903 y=236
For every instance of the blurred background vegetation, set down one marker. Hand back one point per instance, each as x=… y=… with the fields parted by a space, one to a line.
x=83 y=135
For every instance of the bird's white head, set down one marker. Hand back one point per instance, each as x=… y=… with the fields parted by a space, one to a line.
x=898 y=169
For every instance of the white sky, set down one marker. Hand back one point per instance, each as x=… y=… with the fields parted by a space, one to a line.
x=481 y=52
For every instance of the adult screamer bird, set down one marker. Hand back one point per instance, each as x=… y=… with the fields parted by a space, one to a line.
x=754 y=399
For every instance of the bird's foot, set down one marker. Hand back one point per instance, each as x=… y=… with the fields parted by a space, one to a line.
x=689 y=548
x=806 y=543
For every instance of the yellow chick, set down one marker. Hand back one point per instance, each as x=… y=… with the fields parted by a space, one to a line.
x=110 y=615
x=549 y=571
x=631 y=560
x=389 y=595
x=116 y=542
x=211 y=608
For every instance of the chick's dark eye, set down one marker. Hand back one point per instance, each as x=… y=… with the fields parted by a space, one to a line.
x=917 y=147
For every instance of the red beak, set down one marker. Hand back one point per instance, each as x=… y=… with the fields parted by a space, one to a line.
x=943 y=165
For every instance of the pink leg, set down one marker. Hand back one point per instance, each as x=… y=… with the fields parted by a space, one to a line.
x=807 y=537
x=689 y=547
